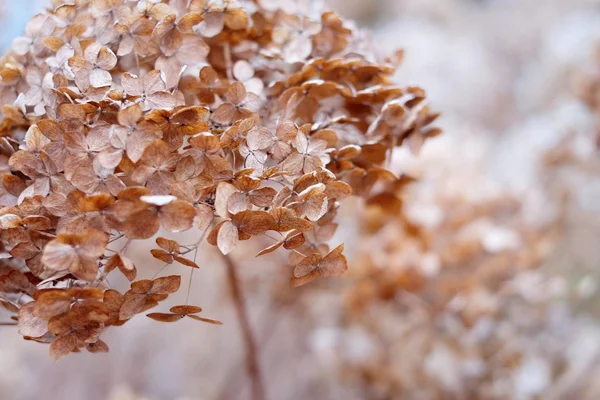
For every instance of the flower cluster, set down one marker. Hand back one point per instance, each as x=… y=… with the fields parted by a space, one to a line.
x=229 y=118
x=436 y=309
x=454 y=298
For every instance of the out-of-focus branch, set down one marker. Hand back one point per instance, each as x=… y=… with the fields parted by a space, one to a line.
x=252 y=362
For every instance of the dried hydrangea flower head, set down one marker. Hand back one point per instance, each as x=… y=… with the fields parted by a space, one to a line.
x=458 y=286
x=230 y=118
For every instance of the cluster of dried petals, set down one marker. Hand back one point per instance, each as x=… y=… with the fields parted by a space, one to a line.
x=224 y=117
x=448 y=294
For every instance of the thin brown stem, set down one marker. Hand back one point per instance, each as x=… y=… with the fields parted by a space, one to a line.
x=294 y=250
x=197 y=245
x=160 y=270
x=8 y=323
x=125 y=247
x=252 y=362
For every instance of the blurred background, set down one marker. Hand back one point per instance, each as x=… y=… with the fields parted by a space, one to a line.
x=485 y=289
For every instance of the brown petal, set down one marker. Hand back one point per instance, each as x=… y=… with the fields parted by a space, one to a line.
x=236 y=19
x=306 y=279
x=186 y=262
x=224 y=114
x=132 y=85
x=177 y=216
x=286 y=131
x=236 y=93
x=188 y=21
x=124 y=264
x=37 y=223
x=85 y=179
x=185 y=169
x=142 y=286
x=96 y=202
x=166 y=285
x=34 y=139
x=155 y=153
x=53 y=43
x=253 y=222
x=141 y=225
x=113 y=301
x=334 y=263
x=78 y=64
x=93 y=244
x=85 y=269
x=286 y=220
x=190 y=115
x=16 y=282
x=204 y=216
x=133 y=304
x=130 y=116
x=338 y=190
x=169 y=44
x=213 y=235
x=106 y=60
x=63 y=345
x=294 y=240
x=206 y=142
x=185 y=309
x=293 y=164
x=163 y=317
x=97 y=347
x=162 y=255
x=313 y=202
x=24 y=251
x=51 y=302
x=169 y=245
x=26 y=162
x=247 y=183
x=263 y=197
x=165 y=25
x=307 y=265
x=143 y=173
x=348 y=152
x=144 y=134
x=13 y=184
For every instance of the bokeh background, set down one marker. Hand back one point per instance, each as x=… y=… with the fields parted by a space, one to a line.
x=494 y=296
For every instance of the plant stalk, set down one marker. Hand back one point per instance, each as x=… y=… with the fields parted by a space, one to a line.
x=252 y=361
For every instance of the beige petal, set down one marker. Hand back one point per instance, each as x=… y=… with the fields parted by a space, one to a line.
x=227 y=239
x=106 y=60
x=59 y=256
x=224 y=191
x=29 y=324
